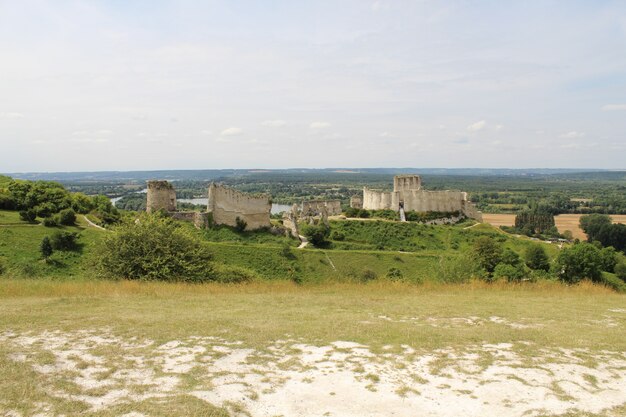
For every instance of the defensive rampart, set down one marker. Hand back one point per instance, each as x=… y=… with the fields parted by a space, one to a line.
x=226 y=205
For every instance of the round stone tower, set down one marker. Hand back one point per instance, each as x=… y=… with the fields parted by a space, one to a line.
x=161 y=196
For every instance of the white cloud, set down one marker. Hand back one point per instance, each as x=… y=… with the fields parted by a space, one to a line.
x=11 y=115
x=475 y=127
x=613 y=107
x=319 y=125
x=572 y=135
x=231 y=131
x=274 y=123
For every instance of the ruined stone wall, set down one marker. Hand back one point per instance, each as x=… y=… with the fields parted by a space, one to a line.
x=226 y=204
x=407 y=182
x=161 y=196
x=200 y=220
x=420 y=201
x=356 y=202
x=316 y=207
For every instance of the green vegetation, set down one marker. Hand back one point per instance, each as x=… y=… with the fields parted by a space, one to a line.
x=599 y=228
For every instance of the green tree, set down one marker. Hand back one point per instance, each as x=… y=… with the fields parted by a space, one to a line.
x=539 y=220
x=536 y=258
x=620 y=270
x=316 y=234
x=154 y=248
x=45 y=248
x=488 y=252
x=608 y=259
x=579 y=261
x=67 y=217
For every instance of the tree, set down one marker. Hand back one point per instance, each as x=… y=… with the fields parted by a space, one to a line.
x=488 y=252
x=536 y=258
x=537 y=220
x=45 y=248
x=28 y=215
x=608 y=259
x=592 y=223
x=240 y=224
x=154 y=248
x=579 y=261
x=620 y=270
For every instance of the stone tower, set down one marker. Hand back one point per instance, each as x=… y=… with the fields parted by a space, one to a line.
x=161 y=196
x=407 y=182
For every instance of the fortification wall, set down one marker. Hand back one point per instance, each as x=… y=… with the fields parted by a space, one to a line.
x=378 y=200
x=226 y=204
x=200 y=220
x=161 y=196
x=316 y=207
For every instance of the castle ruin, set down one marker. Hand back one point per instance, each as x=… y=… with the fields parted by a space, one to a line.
x=408 y=195
x=161 y=196
x=317 y=207
x=227 y=204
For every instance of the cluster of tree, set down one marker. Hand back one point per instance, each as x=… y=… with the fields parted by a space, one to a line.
x=50 y=200
x=600 y=228
x=574 y=263
x=63 y=241
x=538 y=221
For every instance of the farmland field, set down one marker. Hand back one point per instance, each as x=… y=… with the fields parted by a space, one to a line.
x=563 y=222
x=102 y=348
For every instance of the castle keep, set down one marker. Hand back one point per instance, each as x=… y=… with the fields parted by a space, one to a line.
x=161 y=196
x=408 y=195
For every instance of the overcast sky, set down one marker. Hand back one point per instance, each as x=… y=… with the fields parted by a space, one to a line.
x=133 y=85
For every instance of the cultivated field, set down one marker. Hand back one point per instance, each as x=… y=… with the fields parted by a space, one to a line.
x=563 y=222
x=121 y=348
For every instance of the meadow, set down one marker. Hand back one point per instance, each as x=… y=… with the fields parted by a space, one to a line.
x=103 y=348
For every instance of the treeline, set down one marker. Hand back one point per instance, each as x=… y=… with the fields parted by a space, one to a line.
x=50 y=200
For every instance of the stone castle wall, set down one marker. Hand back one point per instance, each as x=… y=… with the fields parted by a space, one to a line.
x=200 y=220
x=356 y=202
x=316 y=207
x=161 y=196
x=226 y=204
x=413 y=198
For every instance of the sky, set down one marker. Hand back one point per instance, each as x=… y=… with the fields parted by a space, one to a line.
x=141 y=85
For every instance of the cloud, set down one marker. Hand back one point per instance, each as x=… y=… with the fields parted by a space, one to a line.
x=206 y=132
x=613 y=107
x=475 y=127
x=231 y=131
x=319 y=125
x=274 y=123
x=11 y=115
x=572 y=135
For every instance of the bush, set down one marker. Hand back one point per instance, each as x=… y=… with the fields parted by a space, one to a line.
x=620 y=271
x=232 y=274
x=608 y=259
x=64 y=240
x=394 y=274
x=536 y=258
x=337 y=235
x=510 y=272
x=45 y=248
x=67 y=217
x=50 y=222
x=458 y=269
x=2 y=267
x=316 y=234
x=579 y=261
x=240 y=224
x=368 y=275
x=154 y=248
x=28 y=215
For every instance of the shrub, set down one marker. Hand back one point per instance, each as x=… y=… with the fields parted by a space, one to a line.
x=240 y=224
x=608 y=259
x=337 y=235
x=458 y=269
x=2 y=267
x=394 y=274
x=232 y=274
x=510 y=272
x=64 y=240
x=67 y=217
x=536 y=258
x=154 y=248
x=286 y=251
x=45 y=248
x=50 y=222
x=28 y=215
x=620 y=271
x=578 y=262
x=316 y=234
x=368 y=275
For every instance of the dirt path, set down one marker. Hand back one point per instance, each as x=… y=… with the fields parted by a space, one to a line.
x=92 y=224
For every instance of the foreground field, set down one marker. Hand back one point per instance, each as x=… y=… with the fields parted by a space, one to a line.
x=563 y=222
x=107 y=348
